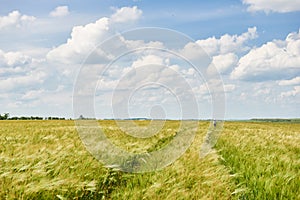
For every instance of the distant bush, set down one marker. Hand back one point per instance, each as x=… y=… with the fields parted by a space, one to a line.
x=5 y=116
x=276 y=120
x=54 y=118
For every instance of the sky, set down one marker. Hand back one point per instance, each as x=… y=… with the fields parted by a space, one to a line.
x=101 y=58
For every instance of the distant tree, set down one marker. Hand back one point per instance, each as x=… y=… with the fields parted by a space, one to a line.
x=5 y=116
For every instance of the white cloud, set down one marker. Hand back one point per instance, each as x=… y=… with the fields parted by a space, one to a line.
x=227 y=43
x=223 y=50
x=18 y=70
x=294 y=81
x=261 y=91
x=148 y=60
x=86 y=38
x=136 y=44
x=149 y=68
x=15 y=19
x=291 y=93
x=126 y=14
x=272 y=61
x=60 y=11
x=281 y=6
x=14 y=59
x=83 y=40
x=224 y=63
x=218 y=54
x=54 y=100
x=192 y=51
x=31 y=78
x=111 y=78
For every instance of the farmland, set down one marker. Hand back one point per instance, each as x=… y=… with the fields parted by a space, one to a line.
x=42 y=159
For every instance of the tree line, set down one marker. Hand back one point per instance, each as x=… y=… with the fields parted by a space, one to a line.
x=5 y=116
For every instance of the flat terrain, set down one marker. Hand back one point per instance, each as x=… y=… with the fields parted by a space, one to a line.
x=252 y=160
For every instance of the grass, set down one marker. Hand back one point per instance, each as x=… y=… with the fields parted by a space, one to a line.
x=47 y=160
x=263 y=158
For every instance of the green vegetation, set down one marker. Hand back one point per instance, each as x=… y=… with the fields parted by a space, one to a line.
x=296 y=120
x=263 y=158
x=47 y=160
x=5 y=116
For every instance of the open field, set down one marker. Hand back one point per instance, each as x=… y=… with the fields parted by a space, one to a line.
x=47 y=160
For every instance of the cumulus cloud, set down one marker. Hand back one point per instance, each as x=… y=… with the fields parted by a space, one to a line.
x=14 y=59
x=18 y=70
x=281 y=6
x=85 y=38
x=15 y=19
x=60 y=11
x=148 y=68
x=224 y=63
x=272 y=61
x=114 y=73
x=126 y=14
x=148 y=60
x=218 y=55
x=192 y=51
x=294 y=81
x=222 y=52
x=291 y=93
x=227 y=43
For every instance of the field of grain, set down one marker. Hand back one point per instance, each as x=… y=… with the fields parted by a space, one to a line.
x=47 y=160
x=263 y=158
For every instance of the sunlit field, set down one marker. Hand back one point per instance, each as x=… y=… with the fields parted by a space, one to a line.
x=47 y=160
x=263 y=158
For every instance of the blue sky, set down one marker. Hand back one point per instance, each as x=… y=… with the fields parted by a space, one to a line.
x=255 y=45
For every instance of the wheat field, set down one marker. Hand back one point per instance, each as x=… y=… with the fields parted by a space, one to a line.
x=47 y=160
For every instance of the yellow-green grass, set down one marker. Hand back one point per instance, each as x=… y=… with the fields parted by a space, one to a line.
x=263 y=158
x=47 y=160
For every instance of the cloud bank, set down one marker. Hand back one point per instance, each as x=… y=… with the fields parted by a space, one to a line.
x=281 y=6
